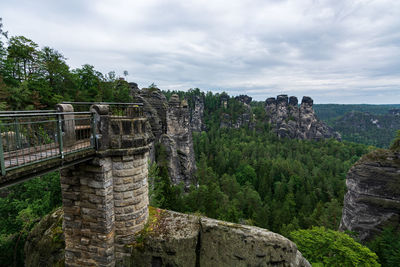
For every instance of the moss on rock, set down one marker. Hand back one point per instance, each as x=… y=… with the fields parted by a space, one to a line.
x=45 y=243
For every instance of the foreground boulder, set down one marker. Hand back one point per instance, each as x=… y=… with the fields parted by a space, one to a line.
x=45 y=243
x=372 y=201
x=176 y=239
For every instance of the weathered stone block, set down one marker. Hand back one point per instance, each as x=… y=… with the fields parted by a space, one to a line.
x=97 y=184
x=123 y=188
x=124 y=202
x=137 y=126
x=127 y=158
x=127 y=127
x=124 y=172
x=115 y=128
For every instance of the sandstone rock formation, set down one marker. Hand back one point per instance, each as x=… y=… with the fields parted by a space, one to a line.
x=176 y=239
x=290 y=120
x=178 y=142
x=170 y=123
x=197 y=115
x=372 y=201
x=244 y=119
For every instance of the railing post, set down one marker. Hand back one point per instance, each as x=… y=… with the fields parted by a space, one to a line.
x=60 y=135
x=2 y=165
x=17 y=137
x=93 y=125
x=68 y=125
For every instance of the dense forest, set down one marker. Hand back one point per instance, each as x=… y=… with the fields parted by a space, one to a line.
x=374 y=125
x=245 y=175
x=328 y=112
x=366 y=128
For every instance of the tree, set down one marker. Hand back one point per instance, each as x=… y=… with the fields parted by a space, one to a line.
x=387 y=246
x=88 y=82
x=54 y=68
x=22 y=57
x=396 y=142
x=153 y=86
x=126 y=73
x=332 y=248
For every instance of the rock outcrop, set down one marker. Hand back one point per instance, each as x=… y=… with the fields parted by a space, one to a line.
x=170 y=124
x=197 y=114
x=290 y=120
x=176 y=239
x=372 y=201
x=45 y=244
x=178 y=142
x=245 y=116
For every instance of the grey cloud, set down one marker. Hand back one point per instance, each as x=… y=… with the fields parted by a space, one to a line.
x=335 y=51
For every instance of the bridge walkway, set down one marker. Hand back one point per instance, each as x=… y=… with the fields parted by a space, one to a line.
x=39 y=141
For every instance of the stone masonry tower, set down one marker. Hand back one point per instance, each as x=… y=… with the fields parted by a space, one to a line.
x=105 y=199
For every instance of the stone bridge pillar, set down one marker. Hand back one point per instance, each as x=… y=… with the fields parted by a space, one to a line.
x=105 y=200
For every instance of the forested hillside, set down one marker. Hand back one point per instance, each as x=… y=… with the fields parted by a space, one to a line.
x=250 y=175
x=374 y=125
x=328 y=112
x=366 y=128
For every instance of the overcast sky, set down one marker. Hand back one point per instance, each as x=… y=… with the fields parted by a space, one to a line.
x=336 y=51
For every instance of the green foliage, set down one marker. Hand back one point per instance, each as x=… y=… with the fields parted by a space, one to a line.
x=331 y=248
x=33 y=78
x=20 y=208
x=328 y=112
x=163 y=194
x=366 y=124
x=280 y=184
x=395 y=146
x=251 y=176
x=387 y=247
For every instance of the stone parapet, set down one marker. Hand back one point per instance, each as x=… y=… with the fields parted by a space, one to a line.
x=105 y=200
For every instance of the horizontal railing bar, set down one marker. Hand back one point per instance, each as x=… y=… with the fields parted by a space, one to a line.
x=27 y=122
x=102 y=103
x=78 y=150
x=44 y=114
x=41 y=122
x=26 y=111
x=13 y=167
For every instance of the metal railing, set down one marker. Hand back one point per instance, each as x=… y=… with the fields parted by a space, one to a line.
x=28 y=137
x=123 y=110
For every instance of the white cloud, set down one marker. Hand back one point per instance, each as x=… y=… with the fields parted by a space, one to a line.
x=335 y=51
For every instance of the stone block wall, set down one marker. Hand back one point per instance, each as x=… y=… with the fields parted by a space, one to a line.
x=105 y=200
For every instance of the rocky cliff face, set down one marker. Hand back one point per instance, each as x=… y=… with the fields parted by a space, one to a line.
x=197 y=115
x=170 y=124
x=372 y=201
x=178 y=142
x=176 y=239
x=290 y=120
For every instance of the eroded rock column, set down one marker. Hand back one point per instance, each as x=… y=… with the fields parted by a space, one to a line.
x=105 y=200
